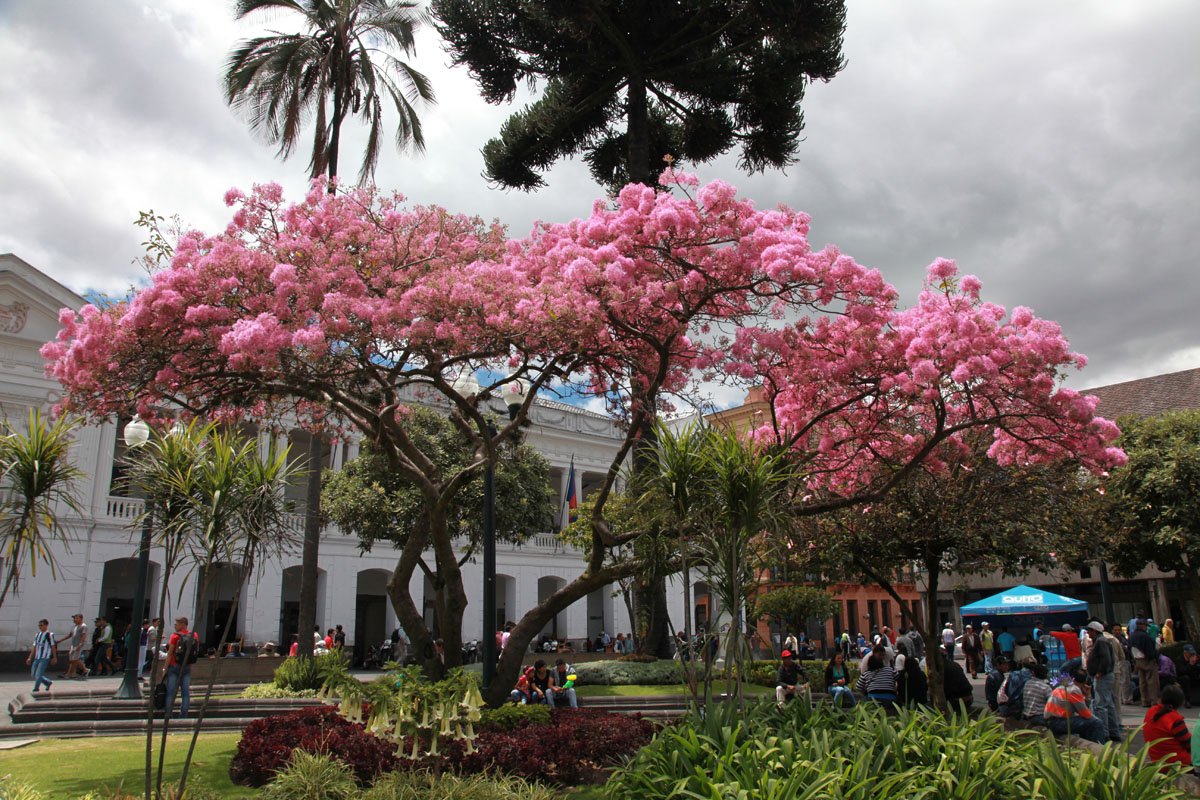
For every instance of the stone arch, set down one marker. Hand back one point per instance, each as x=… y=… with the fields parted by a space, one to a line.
x=556 y=628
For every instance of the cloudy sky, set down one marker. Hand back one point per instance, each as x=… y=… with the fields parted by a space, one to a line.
x=1053 y=149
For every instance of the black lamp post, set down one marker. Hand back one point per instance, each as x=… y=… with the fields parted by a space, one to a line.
x=514 y=398
x=136 y=434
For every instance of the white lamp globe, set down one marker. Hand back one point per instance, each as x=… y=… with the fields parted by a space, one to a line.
x=136 y=433
x=515 y=393
x=465 y=384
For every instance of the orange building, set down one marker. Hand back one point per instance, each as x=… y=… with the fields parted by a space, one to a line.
x=863 y=606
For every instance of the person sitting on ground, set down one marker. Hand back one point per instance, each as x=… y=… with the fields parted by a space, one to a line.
x=1166 y=672
x=912 y=687
x=959 y=691
x=1187 y=668
x=881 y=651
x=1067 y=710
x=542 y=679
x=790 y=677
x=994 y=681
x=564 y=674
x=1010 y=696
x=525 y=693
x=268 y=651
x=878 y=682
x=1034 y=695
x=836 y=681
x=235 y=651
x=1166 y=732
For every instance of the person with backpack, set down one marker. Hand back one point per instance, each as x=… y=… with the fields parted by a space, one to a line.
x=182 y=651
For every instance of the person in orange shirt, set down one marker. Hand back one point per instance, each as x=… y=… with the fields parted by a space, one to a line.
x=1067 y=711
x=1166 y=731
x=1070 y=641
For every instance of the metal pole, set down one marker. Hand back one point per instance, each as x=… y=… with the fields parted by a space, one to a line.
x=489 y=570
x=130 y=688
x=1110 y=615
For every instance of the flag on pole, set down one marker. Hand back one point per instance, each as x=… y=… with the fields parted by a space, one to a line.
x=572 y=502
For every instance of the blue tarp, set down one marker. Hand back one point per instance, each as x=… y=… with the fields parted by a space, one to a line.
x=1023 y=600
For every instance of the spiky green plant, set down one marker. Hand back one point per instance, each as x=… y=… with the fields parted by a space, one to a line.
x=37 y=488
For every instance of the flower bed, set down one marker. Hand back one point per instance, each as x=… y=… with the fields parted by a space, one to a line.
x=574 y=747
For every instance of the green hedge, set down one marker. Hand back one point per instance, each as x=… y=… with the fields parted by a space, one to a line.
x=512 y=715
x=626 y=673
x=762 y=673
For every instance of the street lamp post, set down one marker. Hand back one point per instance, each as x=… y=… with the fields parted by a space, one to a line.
x=514 y=397
x=136 y=434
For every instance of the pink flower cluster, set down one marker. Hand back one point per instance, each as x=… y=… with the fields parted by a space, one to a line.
x=334 y=302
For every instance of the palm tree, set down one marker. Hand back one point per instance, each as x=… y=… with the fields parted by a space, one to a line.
x=338 y=67
x=37 y=474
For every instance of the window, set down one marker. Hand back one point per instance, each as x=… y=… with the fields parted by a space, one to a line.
x=885 y=608
x=872 y=615
x=853 y=624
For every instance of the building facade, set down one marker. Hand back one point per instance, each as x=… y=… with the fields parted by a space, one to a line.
x=96 y=568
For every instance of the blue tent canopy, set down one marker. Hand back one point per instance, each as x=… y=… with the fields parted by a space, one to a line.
x=1023 y=600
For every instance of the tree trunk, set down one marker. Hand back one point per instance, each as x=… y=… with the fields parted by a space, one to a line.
x=312 y=546
x=637 y=131
x=934 y=663
x=1193 y=582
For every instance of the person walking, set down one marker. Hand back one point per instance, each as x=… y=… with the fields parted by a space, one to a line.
x=76 y=640
x=988 y=641
x=1124 y=668
x=1145 y=660
x=1101 y=665
x=948 y=639
x=43 y=653
x=182 y=650
x=972 y=647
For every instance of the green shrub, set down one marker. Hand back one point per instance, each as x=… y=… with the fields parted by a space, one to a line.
x=510 y=716
x=424 y=786
x=298 y=674
x=637 y=658
x=270 y=691
x=862 y=754
x=13 y=789
x=626 y=673
x=312 y=777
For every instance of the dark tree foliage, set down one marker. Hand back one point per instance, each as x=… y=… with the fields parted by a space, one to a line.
x=374 y=503
x=1153 y=502
x=626 y=82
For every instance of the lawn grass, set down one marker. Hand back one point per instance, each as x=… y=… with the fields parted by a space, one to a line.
x=64 y=769
x=639 y=690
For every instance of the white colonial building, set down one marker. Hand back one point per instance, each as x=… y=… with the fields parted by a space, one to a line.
x=97 y=567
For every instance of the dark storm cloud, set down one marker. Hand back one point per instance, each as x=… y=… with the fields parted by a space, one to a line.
x=1049 y=147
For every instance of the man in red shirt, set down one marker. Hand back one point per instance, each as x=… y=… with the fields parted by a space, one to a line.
x=1070 y=641
x=181 y=652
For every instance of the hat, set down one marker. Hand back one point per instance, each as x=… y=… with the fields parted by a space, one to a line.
x=1067 y=626
x=983 y=624
x=1139 y=622
x=949 y=625
x=786 y=654
x=1096 y=626
x=1189 y=649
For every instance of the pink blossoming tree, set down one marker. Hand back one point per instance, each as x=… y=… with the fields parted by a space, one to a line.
x=342 y=308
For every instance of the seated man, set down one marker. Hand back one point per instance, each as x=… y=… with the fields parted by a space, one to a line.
x=1034 y=695
x=564 y=683
x=959 y=691
x=790 y=677
x=995 y=681
x=1187 y=668
x=1067 y=710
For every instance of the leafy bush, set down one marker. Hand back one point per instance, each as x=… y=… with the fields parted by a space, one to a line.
x=425 y=786
x=863 y=754
x=267 y=744
x=310 y=776
x=625 y=673
x=637 y=658
x=13 y=789
x=270 y=691
x=511 y=716
x=308 y=673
